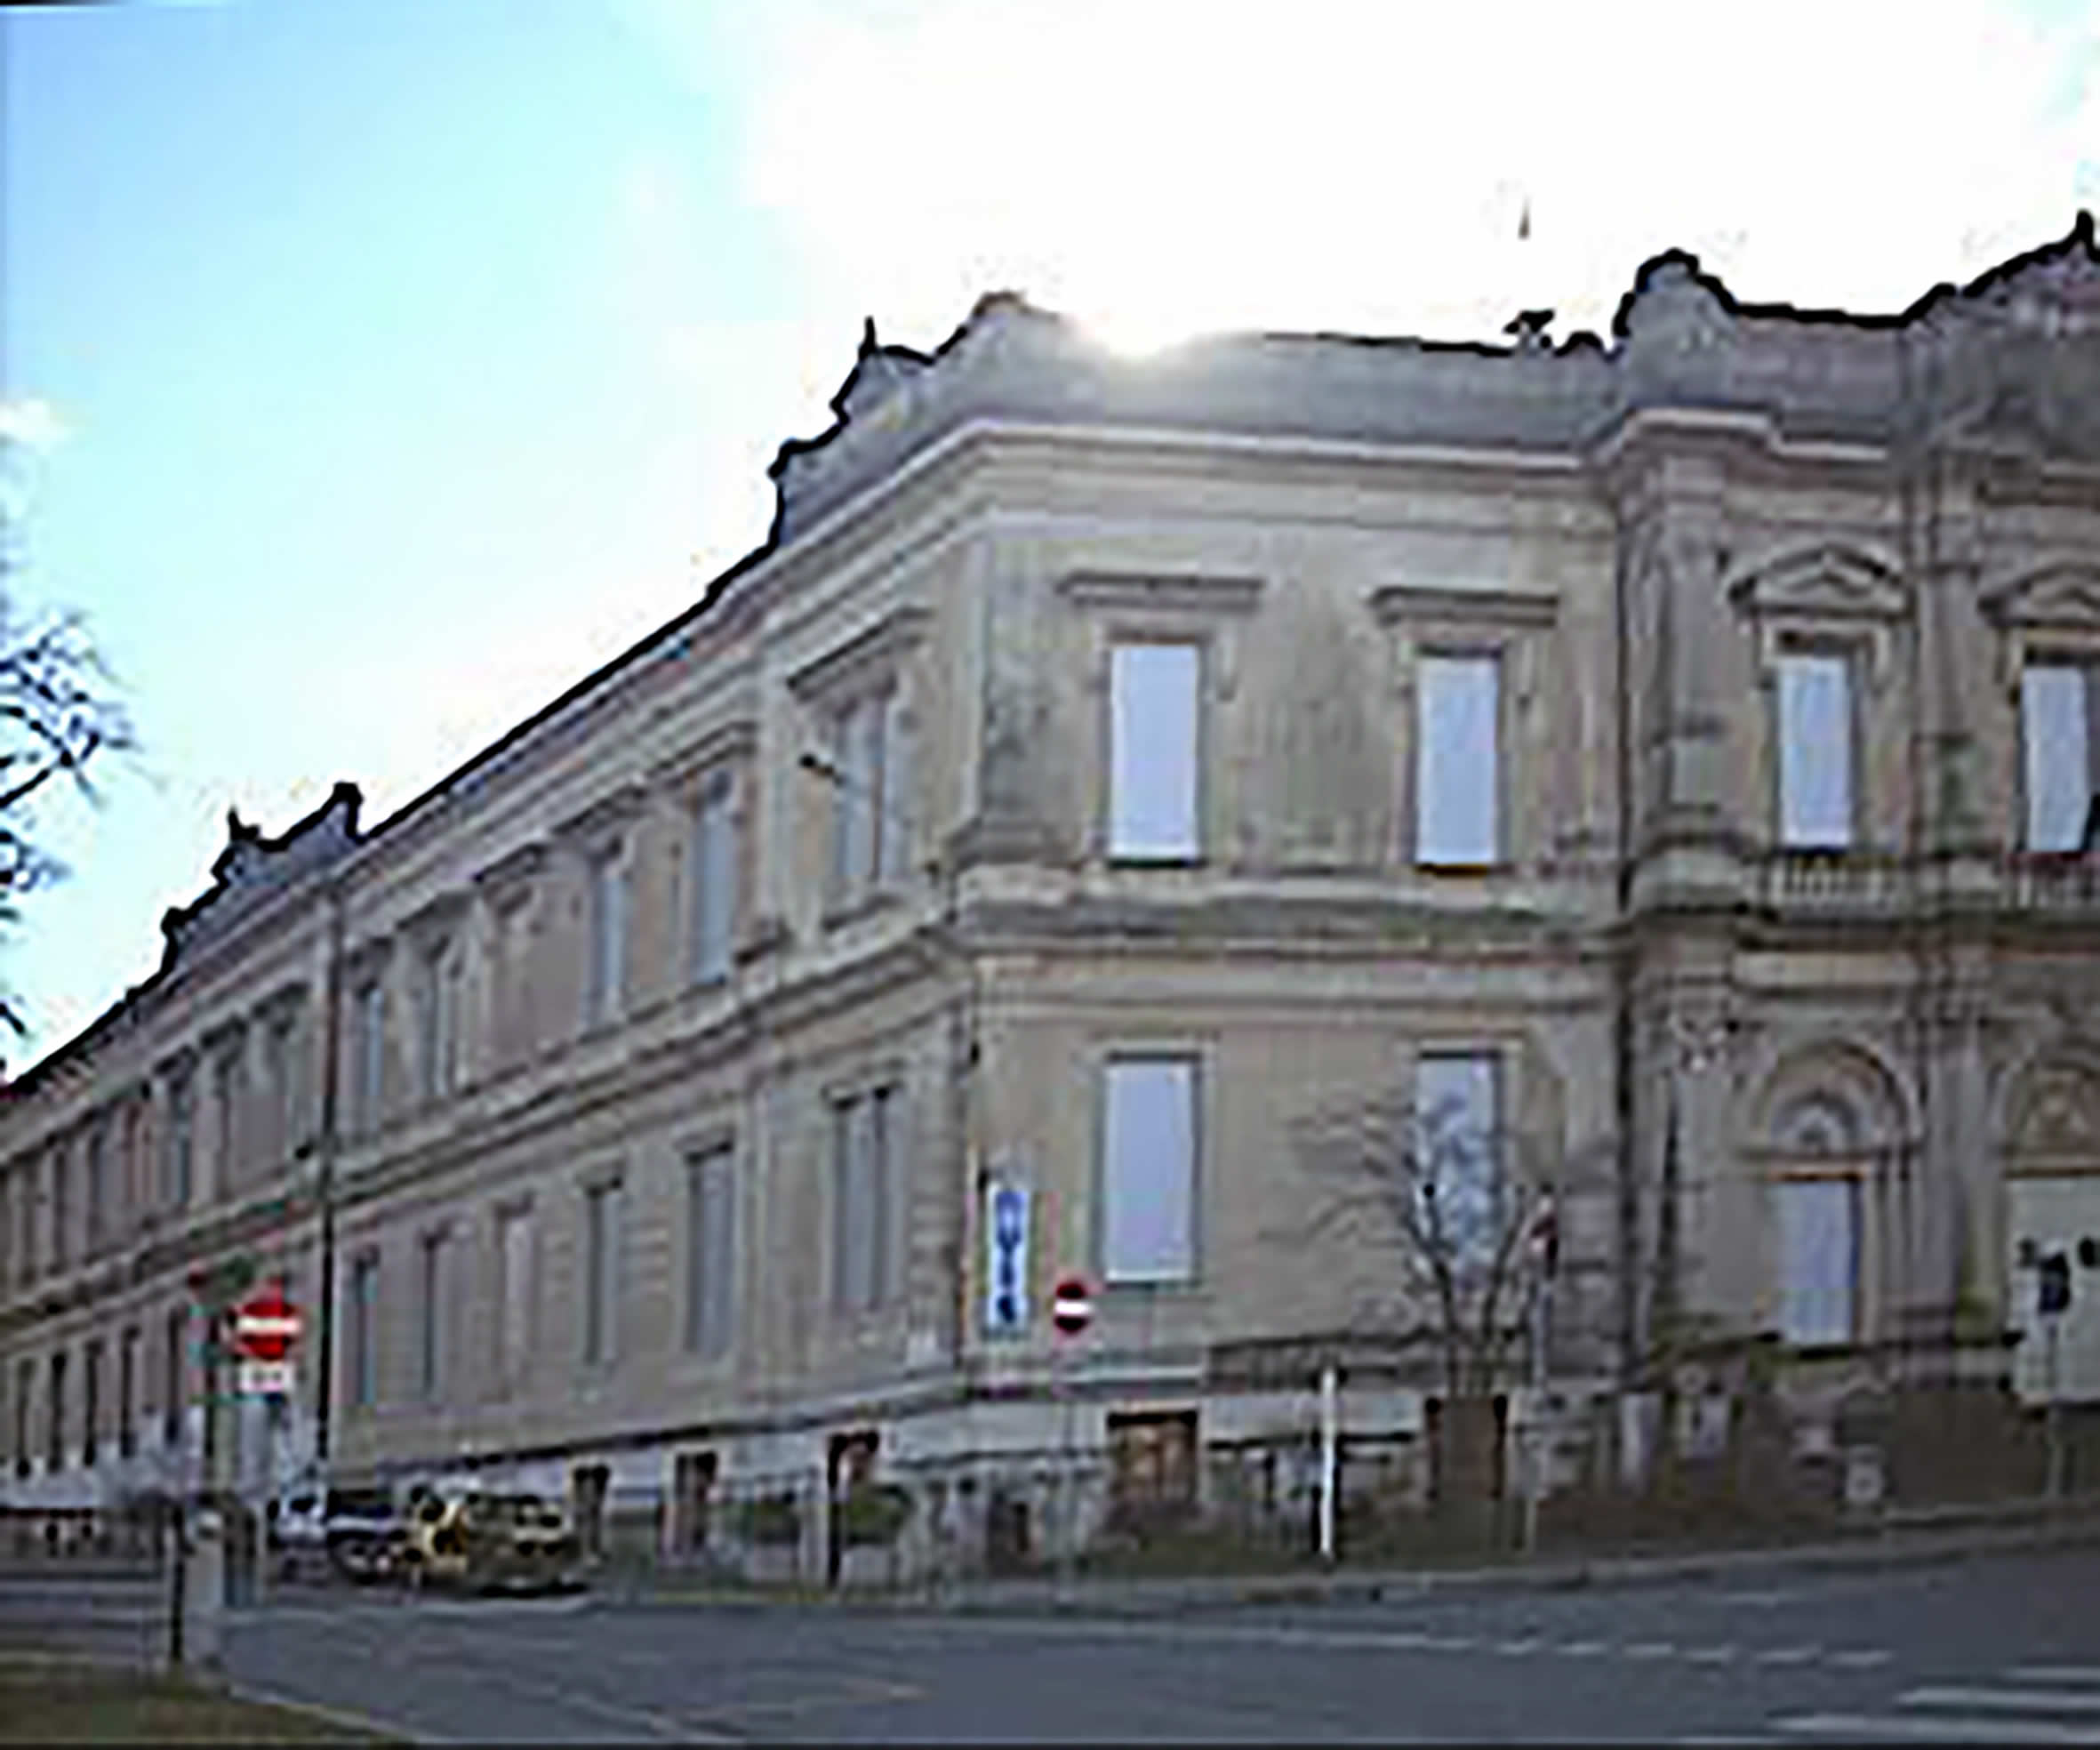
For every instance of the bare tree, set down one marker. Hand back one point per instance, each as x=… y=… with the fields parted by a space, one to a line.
x=58 y=715
x=1450 y=1209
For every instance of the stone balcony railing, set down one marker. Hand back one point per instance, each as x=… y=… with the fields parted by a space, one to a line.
x=2052 y=883
x=1838 y=882
x=1847 y=884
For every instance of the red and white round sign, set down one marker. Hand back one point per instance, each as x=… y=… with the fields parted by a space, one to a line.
x=267 y=1325
x=1071 y=1305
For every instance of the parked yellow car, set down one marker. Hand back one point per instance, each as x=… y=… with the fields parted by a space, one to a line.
x=483 y=1540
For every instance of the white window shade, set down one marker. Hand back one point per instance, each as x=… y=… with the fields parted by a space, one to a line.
x=2057 y=756
x=1149 y=1178
x=515 y=1262
x=1818 y=1259
x=1154 y=747
x=1816 y=804
x=1458 y=779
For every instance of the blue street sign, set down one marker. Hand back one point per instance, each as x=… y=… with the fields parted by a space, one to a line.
x=1005 y=1306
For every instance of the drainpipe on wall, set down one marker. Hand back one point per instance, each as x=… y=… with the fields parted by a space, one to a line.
x=325 y=1186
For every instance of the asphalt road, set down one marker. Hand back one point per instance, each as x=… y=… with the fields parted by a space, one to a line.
x=2007 y=1647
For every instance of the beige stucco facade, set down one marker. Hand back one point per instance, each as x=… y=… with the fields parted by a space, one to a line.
x=1637 y=533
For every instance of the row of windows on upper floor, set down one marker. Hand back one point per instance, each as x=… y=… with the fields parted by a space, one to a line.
x=1156 y=754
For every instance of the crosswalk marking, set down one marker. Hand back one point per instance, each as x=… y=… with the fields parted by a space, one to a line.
x=2001 y=1701
x=1928 y=1727
x=1580 y=1648
x=2055 y=1674
x=1787 y=1655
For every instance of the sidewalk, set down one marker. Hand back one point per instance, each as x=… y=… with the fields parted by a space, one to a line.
x=1915 y=1536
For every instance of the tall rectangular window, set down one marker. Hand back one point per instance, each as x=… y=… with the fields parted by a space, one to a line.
x=714 y=879
x=601 y=1287
x=431 y=1312
x=173 y=1361
x=9 y=1247
x=368 y=1076
x=178 y=1157
x=1815 y=739
x=95 y=1190
x=439 y=984
x=608 y=906
x=711 y=1251
x=61 y=1212
x=229 y=1083
x=91 y=1401
x=1458 y=1117
x=860 y=796
x=25 y=1392
x=281 y=1062
x=54 y=1415
x=127 y=1392
x=1457 y=774
x=1155 y=753
x=514 y=1265
x=1818 y=1259
x=25 y=1221
x=2061 y=753
x=863 y=1141
x=362 y=1348
x=1148 y=1191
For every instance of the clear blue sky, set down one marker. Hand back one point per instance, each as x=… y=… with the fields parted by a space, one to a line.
x=397 y=362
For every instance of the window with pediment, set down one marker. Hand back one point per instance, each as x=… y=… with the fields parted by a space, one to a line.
x=1466 y=663
x=2048 y=622
x=1163 y=657
x=1828 y=620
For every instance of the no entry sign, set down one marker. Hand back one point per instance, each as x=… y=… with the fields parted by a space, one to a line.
x=266 y=1325
x=1071 y=1306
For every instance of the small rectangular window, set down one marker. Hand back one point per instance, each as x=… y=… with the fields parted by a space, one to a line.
x=61 y=1215
x=25 y=1392
x=96 y=1193
x=608 y=937
x=601 y=1242
x=178 y=1162
x=127 y=1392
x=175 y=1361
x=1815 y=737
x=1149 y=1171
x=1457 y=1107
x=514 y=1261
x=2060 y=751
x=714 y=872
x=369 y=1079
x=430 y=1350
x=1155 y=750
x=362 y=1347
x=1819 y=1260
x=54 y=1415
x=710 y=1251
x=1458 y=779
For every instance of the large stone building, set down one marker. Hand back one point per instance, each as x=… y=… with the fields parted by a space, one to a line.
x=1677 y=751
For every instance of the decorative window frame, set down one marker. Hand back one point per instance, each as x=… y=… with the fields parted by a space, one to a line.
x=1199 y=1053
x=892 y=1072
x=509 y=890
x=1210 y=611
x=694 y=1149
x=884 y=662
x=607 y=829
x=2046 y=612
x=728 y=754
x=609 y=1181
x=1513 y=626
x=1825 y=599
